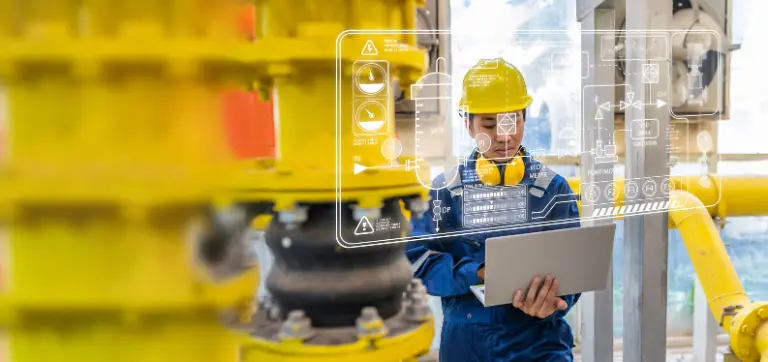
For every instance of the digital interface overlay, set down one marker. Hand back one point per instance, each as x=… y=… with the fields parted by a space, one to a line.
x=462 y=205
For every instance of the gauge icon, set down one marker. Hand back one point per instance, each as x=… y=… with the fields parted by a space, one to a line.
x=592 y=193
x=483 y=142
x=666 y=186
x=371 y=118
x=631 y=189
x=649 y=188
x=371 y=79
x=391 y=149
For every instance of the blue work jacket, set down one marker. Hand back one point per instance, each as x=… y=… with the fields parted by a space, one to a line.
x=448 y=267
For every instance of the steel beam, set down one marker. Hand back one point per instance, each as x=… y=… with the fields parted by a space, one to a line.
x=598 y=87
x=705 y=328
x=646 y=237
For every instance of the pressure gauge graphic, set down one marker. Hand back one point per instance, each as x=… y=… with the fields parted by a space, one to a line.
x=431 y=132
x=371 y=118
x=371 y=79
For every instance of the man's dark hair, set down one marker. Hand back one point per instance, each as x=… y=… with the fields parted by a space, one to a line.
x=471 y=116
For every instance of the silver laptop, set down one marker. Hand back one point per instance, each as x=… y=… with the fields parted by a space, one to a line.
x=579 y=258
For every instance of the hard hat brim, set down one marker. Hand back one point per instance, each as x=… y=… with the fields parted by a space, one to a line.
x=525 y=103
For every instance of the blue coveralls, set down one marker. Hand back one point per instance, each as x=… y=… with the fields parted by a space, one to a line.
x=448 y=267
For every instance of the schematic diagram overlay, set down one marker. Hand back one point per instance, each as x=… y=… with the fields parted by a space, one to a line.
x=391 y=124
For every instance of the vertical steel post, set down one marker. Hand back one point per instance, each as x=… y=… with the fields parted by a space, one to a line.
x=597 y=88
x=705 y=328
x=645 y=274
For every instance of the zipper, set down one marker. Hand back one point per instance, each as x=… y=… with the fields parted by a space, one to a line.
x=470 y=241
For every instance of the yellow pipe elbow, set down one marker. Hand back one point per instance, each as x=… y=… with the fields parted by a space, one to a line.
x=708 y=255
x=744 y=321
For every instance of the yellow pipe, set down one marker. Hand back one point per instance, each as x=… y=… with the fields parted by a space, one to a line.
x=746 y=322
x=743 y=320
x=731 y=196
x=761 y=340
x=708 y=256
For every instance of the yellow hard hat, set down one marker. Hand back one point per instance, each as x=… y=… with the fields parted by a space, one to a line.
x=494 y=86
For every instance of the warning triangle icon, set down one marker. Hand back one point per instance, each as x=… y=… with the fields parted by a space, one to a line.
x=369 y=49
x=364 y=227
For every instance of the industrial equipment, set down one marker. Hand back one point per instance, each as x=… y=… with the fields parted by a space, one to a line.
x=700 y=63
x=328 y=302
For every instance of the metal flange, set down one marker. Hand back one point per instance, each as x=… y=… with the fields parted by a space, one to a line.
x=744 y=328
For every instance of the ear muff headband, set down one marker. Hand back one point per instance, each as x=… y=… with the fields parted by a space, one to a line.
x=489 y=174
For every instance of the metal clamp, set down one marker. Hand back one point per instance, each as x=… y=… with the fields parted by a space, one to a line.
x=729 y=311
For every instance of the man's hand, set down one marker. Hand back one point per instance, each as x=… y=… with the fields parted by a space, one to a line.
x=543 y=303
x=481 y=274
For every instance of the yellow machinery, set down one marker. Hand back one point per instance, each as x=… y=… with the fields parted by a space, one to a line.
x=113 y=154
x=330 y=303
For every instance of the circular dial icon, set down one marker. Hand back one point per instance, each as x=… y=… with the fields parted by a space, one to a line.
x=649 y=188
x=483 y=142
x=371 y=79
x=704 y=141
x=371 y=117
x=391 y=149
x=592 y=193
x=666 y=186
x=631 y=189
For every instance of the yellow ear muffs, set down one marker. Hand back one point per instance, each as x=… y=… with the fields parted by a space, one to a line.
x=489 y=173
x=515 y=171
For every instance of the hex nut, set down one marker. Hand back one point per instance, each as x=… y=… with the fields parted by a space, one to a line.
x=370 y=324
x=296 y=326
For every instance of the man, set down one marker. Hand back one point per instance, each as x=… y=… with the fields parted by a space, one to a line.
x=532 y=327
